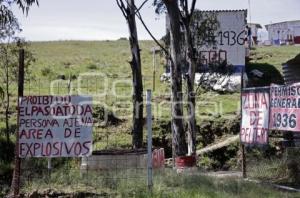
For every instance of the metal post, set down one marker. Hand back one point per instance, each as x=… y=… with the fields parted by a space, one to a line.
x=154 y=69
x=15 y=188
x=49 y=167
x=244 y=165
x=149 y=139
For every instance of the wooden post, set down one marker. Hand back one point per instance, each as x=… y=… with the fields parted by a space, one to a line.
x=244 y=163
x=15 y=188
x=149 y=140
x=49 y=167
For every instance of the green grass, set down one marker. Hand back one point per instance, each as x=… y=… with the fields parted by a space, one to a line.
x=110 y=58
x=72 y=58
x=269 y=60
x=275 y=56
x=167 y=183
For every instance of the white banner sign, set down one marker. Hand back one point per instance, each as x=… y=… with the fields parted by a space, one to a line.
x=255 y=116
x=55 y=126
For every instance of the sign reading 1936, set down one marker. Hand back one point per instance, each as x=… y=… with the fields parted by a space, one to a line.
x=285 y=107
x=231 y=38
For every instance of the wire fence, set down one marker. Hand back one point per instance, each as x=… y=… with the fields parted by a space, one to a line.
x=109 y=173
x=116 y=174
x=112 y=168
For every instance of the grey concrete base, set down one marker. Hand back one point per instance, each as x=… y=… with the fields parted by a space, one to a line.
x=108 y=162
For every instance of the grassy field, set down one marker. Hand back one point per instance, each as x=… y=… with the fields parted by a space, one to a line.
x=275 y=56
x=101 y=69
x=167 y=183
x=269 y=60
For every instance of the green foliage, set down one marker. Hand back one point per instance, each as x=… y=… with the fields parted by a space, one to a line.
x=122 y=39
x=24 y=5
x=159 y=6
x=204 y=26
x=6 y=150
x=92 y=66
x=6 y=14
x=167 y=183
x=269 y=60
x=46 y=71
x=1 y=93
x=6 y=168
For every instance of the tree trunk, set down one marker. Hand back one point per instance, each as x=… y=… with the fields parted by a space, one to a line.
x=176 y=78
x=137 y=131
x=15 y=186
x=191 y=62
x=7 y=97
x=7 y=115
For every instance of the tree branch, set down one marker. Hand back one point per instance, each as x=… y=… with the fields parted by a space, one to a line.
x=141 y=6
x=122 y=7
x=138 y=14
x=192 y=8
x=186 y=8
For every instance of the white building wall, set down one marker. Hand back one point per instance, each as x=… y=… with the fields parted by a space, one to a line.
x=282 y=32
x=230 y=36
x=254 y=30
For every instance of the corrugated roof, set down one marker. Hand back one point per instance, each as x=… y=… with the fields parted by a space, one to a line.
x=245 y=10
x=256 y=24
x=282 y=22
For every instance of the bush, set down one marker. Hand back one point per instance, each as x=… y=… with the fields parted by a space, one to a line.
x=122 y=39
x=46 y=71
x=6 y=150
x=6 y=169
x=92 y=66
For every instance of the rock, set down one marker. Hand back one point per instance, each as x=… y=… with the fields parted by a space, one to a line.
x=165 y=77
x=220 y=82
x=257 y=73
x=214 y=81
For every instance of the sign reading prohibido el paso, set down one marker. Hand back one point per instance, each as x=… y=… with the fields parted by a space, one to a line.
x=255 y=116
x=285 y=107
x=55 y=126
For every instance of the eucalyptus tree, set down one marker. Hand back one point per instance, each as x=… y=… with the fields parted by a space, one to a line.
x=9 y=27
x=6 y=13
x=176 y=65
x=8 y=18
x=8 y=67
x=180 y=14
x=187 y=33
x=186 y=18
x=128 y=10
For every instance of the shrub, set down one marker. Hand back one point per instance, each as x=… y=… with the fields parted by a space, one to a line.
x=92 y=66
x=46 y=71
x=122 y=39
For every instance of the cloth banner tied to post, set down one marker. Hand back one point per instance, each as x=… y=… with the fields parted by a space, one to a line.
x=255 y=116
x=55 y=126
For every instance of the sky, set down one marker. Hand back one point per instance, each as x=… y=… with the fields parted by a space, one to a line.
x=102 y=19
